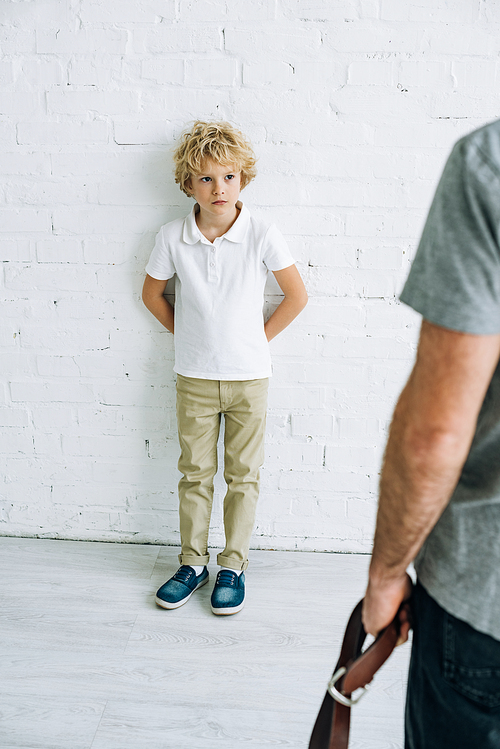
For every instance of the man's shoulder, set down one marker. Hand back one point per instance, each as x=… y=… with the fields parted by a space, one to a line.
x=482 y=144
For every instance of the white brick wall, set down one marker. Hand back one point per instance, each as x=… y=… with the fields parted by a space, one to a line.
x=352 y=107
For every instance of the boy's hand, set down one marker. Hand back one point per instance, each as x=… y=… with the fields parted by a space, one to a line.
x=152 y=296
x=295 y=300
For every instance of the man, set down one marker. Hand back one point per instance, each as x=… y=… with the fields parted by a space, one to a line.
x=440 y=486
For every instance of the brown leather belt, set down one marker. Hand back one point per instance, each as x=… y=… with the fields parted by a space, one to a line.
x=354 y=670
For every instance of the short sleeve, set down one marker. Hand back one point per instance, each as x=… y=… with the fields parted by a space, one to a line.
x=161 y=265
x=454 y=281
x=276 y=254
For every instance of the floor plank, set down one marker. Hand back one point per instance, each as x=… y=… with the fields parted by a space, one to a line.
x=89 y=661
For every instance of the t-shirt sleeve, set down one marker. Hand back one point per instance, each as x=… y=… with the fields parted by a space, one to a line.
x=276 y=254
x=161 y=265
x=454 y=281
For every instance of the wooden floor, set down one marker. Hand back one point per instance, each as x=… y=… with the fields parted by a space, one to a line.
x=88 y=661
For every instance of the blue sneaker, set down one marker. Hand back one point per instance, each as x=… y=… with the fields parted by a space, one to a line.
x=180 y=587
x=228 y=596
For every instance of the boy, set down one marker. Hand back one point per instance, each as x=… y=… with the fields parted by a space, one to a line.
x=220 y=255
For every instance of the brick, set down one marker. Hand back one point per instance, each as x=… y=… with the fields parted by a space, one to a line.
x=102 y=366
x=16 y=40
x=112 y=253
x=370 y=73
x=25 y=164
x=319 y=11
x=135 y=474
x=429 y=73
x=13 y=441
x=40 y=391
x=312 y=425
x=387 y=258
x=458 y=104
x=142 y=133
x=19 y=103
x=14 y=417
x=47 y=418
x=295 y=398
x=59 y=251
x=122 y=191
x=24 y=220
x=15 y=250
x=82 y=102
x=266 y=74
x=70 y=341
x=64 y=41
x=443 y=39
x=324 y=481
x=7 y=135
x=72 y=496
x=290 y=455
x=43 y=277
x=107 y=220
x=57 y=366
x=383 y=348
x=338 y=373
x=339 y=457
x=211 y=72
x=204 y=10
x=168 y=38
x=43 y=72
x=12 y=363
x=248 y=42
x=47 y=445
x=47 y=192
x=292 y=343
x=359 y=429
x=6 y=73
x=364 y=37
x=440 y=12
x=128 y=11
x=54 y=133
x=104 y=446
x=166 y=71
x=95 y=71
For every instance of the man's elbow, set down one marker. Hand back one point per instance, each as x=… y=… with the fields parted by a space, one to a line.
x=428 y=445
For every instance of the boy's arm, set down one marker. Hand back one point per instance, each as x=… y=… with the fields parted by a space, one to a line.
x=295 y=300
x=152 y=296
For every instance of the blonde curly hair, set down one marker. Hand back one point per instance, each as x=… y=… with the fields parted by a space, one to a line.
x=219 y=141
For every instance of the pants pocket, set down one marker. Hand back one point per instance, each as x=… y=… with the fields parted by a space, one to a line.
x=471 y=662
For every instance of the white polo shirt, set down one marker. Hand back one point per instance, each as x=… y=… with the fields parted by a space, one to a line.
x=219 y=294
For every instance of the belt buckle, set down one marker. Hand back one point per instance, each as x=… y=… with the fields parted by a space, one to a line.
x=338 y=696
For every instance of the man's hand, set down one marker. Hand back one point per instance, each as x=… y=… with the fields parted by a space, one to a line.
x=381 y=603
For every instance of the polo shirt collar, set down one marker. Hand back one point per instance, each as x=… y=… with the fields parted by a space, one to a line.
x=191 y=234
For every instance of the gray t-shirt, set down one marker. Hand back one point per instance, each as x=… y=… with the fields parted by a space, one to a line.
x=455 y=283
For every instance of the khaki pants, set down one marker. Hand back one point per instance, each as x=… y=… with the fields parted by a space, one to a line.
x=200 y=405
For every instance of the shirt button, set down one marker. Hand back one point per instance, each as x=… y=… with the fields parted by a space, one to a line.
x=213 y=265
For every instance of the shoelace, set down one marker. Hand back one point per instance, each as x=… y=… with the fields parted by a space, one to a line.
x=183 y=574
x=227 y=578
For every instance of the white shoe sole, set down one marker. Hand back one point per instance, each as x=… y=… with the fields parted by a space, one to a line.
x=226 y=611
x=168 y=605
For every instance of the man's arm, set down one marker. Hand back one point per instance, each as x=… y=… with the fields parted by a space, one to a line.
x=152 y=296
x=295 y=300
x=430 y=437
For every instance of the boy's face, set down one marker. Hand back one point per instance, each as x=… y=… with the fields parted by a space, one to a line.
x=216 y=188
